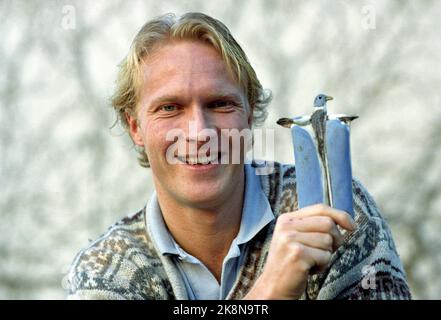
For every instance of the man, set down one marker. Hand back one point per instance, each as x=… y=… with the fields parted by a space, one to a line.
x=214 y=229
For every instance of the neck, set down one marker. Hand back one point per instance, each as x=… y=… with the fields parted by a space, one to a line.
x=204 y=232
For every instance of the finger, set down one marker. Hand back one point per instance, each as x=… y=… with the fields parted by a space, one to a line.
x=323 y=241
x=342 y=218
x=316 y=224
x=318 y=259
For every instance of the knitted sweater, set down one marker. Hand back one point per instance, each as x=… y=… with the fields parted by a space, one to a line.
x=124 y=263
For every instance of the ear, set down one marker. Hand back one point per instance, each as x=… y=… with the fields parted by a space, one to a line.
x=134 y=130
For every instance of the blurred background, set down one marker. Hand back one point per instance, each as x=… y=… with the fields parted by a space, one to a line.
x=66 y=175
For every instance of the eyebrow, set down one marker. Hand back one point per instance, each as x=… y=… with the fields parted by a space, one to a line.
x=224 y=95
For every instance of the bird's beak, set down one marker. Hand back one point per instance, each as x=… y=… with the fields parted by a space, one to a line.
x=329 y=98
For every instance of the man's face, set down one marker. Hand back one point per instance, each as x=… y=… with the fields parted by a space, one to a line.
x=187 y=81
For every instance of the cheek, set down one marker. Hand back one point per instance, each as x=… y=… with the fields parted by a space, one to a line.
x=237 y=121
x=155 y=139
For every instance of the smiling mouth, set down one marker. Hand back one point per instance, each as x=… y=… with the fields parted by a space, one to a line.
x=200 y=160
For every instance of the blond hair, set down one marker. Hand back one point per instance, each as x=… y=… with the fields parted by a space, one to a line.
x=194 y=26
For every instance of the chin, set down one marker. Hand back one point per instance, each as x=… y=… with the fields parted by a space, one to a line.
x=202 y=195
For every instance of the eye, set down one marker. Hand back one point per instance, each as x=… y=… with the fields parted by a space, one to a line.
x=221 y=104
x=168 y=108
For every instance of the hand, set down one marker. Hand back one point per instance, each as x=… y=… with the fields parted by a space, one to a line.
x=302 y=244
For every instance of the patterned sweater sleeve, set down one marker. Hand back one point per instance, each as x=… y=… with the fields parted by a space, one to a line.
x=93 y=277
x=118 y=266
x=367 y=265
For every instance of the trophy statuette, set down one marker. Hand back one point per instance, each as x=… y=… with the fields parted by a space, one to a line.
x=323 y=163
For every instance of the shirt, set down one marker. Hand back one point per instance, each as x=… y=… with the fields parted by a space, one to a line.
x=199 y=282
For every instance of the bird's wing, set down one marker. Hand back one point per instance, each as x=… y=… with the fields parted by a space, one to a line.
x=302 y=120
x=342 y=117
x=285 y=122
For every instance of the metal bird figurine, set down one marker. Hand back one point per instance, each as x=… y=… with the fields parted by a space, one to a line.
x=324 y=167
x=318 y=122
x=306 y=120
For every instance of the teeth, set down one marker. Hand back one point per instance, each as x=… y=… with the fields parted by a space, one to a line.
x=199 y=160
x=203 y=160
x=192 y=160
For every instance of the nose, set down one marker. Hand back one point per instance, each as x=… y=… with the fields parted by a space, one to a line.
x=199 y=125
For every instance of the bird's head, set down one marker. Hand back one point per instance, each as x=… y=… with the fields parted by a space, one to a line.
x=320 y=100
